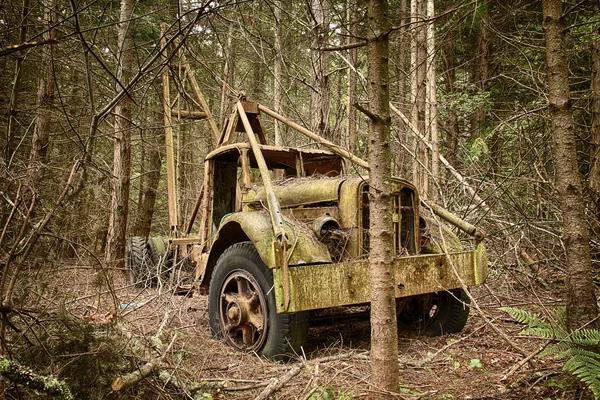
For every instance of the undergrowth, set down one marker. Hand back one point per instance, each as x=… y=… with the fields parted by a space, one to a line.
x=579 y=348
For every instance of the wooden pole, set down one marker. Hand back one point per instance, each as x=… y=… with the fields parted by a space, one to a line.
x=171 y=188
x=199 y=96
x=272 y=201
x=319 y=139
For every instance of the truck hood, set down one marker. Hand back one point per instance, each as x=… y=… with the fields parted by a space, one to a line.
x=300 y=191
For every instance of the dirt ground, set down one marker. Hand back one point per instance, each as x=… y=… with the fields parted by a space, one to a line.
x=476 y=364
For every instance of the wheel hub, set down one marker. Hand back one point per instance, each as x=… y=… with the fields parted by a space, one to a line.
x=243 y=311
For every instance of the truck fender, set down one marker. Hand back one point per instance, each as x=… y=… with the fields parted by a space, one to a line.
x=255 y=226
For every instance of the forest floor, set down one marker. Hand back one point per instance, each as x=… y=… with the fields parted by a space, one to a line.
x=476 y=364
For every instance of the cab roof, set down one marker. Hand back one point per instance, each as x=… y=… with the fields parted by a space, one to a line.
x=314 y=161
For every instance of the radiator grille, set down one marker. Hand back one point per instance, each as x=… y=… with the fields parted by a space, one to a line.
x=403 y=219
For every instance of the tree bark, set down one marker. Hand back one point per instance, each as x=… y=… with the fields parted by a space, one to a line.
x=228 y=73
x=594 y=179
x=277 y=69
x=151 y=163
x=581 y=298
x=418 y=89
x=432 y=121
x=16 y=85
x=319 y=94
x=384 y=335
x=481 y=70
x=119 y=207
x=45 y=99
x=351 y=13
x=451 y=123
x=403 y=67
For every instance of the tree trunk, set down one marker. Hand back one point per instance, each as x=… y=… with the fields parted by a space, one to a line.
x=151 y=163
x=277 y=70
x=432 y=121
x=581 y=299
x=319 y=94
x=384 y=335
x=403 y=67
x=451 y=123
x=418 y=89
x=45 y=100
x=119 y=206
x=228 y=73
x=16 y=85
x=594 y=179
x=351 y=14
x=481 y=70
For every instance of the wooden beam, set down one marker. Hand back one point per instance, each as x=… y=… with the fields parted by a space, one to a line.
x=171 y=188
x=199 y=97
x=185 y=114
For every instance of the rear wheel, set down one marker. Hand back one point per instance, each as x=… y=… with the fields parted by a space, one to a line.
x=137 y=259
x=242 y=309
x=435 y=314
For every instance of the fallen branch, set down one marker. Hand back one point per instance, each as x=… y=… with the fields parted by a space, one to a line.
x=25 y=376
x=152 y=361
x=524 y=361
x=277 y=384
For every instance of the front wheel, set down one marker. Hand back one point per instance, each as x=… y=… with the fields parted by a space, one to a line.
x=435 y=314
x=242 y=309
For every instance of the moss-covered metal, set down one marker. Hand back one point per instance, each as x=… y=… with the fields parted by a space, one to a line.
x=332 y=285
x=302 y=191
x=304 y=246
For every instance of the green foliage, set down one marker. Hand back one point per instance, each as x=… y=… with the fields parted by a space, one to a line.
x=578 y=348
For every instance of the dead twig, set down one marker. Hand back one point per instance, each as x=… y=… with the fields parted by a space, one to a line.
x=524 y=361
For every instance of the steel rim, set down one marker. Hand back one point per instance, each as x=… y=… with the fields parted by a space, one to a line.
x=243 y=311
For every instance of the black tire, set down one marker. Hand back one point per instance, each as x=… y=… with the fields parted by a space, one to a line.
x=282 y=335
x=435 y=314
x=136 y=256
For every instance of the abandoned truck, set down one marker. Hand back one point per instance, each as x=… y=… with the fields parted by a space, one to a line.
x=284 y=242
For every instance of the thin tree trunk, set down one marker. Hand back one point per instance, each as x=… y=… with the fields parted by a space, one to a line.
x=384 y=335
x=277 y=70
x=403 y=68
x=351 y=13
x=420 y=71
x=119 y=207
x=228 y=72
x=594 y=179
x=319 y=95
x=16 y=88
x=151 y=164
x=451 y=124
x=581 y=298
x=481 y=70
x=45 y=99
x=418 y=90
x=432 y=97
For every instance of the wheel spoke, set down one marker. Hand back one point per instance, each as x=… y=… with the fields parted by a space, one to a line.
x=242 y=285
x=231 y=297
x=248 y=335
x=256 y=320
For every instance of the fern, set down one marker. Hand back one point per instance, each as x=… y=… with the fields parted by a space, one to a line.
x=579 y=348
